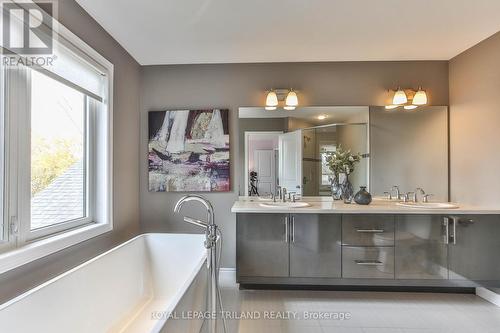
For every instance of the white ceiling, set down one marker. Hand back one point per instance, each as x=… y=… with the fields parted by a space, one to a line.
x=236 y=31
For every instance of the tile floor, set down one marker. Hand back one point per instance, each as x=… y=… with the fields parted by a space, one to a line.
x=370 y=312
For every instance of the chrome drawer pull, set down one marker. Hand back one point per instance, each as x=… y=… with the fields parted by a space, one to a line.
x=368 y=262
x=374 y=231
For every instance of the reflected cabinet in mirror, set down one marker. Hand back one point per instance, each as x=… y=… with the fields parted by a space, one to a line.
x=294 y=149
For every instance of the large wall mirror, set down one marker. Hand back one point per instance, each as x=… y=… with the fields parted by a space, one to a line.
x=290 y=149
x=410 y=149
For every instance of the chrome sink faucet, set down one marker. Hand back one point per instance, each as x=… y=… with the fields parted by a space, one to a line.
x=283 y=194
x=419 y=190
x=277 y=193
x=398 y=192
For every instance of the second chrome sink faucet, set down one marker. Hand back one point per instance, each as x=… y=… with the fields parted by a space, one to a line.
x=280 y=193
x=406 y=196
x=398 y=193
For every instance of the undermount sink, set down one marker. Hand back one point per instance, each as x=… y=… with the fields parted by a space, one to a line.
x=428 y=205
x=284 y=204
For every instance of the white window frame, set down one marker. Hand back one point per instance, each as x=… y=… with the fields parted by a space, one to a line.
x=3 y=160
x=20 y=244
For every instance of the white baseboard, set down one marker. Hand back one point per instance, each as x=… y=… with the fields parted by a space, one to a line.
x=488 y=295
x=227 y=276
x=228 y=269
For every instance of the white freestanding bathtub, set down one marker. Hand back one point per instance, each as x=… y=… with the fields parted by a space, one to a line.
x=150 y=283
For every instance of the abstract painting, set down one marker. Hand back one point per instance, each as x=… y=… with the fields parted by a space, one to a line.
x=189 y=151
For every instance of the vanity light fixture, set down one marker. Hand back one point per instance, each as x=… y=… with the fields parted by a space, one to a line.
x=291 y=101
x=271 y=100
x=409 y=99
x=399 y=97
x=287 y=98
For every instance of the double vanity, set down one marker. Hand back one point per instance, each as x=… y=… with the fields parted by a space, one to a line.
x=320 y=242
x=410 y=242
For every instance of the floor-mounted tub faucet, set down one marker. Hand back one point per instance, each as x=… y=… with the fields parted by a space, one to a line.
x=212 y=234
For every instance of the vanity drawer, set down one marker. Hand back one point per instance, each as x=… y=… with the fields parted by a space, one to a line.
x=368 y=230
x=368 y=262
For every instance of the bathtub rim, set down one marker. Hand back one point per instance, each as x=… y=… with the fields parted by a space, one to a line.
x=174 y=300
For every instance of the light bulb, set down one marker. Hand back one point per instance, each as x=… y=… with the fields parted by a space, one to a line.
x=400 y=97
x=322 y=117
x=420 y=97
x=272 y=99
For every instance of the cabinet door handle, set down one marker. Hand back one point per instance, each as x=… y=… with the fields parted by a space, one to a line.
x=374 y=231
x=286 y=229
x=454 y=236
x=446 y=224
x=293 y=229
x=368 y=262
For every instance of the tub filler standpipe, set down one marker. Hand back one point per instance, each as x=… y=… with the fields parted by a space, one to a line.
x=213 y=236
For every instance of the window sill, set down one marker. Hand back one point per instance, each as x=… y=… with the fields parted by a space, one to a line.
x=44 y=247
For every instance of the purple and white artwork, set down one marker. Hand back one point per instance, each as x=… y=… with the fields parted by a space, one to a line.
x=189 y=151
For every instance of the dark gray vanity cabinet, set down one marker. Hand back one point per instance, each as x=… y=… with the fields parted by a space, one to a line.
x=262 y=245
x=474 y=249
x=392 y=250
x=421 y=247
x=283 y=245
x=315 y=245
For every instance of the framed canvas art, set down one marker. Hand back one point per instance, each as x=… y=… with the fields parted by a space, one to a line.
x=189 y=151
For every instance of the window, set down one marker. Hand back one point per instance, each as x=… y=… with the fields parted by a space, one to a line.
x=59 y=154
x=55 y=152
x=326 y=174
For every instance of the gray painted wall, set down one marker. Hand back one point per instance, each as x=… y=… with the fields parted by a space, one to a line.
x=234 y=85
x=474 y=123
x=126 y=152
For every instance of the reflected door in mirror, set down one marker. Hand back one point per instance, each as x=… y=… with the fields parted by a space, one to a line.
x=290 y=161
x=264 y=165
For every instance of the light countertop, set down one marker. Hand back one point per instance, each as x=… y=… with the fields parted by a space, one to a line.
x=325 y=205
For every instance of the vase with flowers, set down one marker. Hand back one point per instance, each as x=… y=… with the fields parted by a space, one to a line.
x=342 y=163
